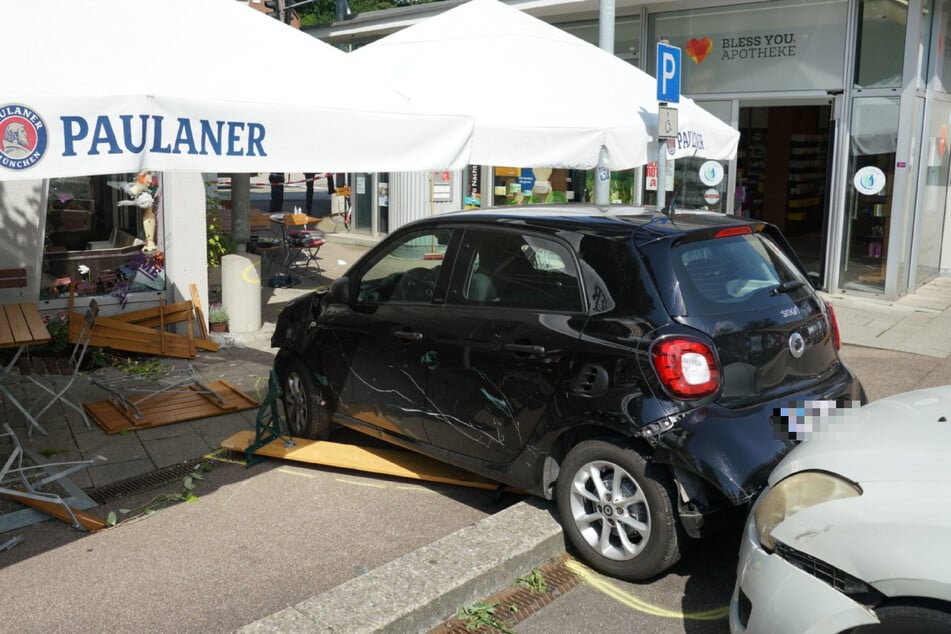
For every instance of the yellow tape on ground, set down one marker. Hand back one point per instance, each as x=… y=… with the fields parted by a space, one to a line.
x=610 y=590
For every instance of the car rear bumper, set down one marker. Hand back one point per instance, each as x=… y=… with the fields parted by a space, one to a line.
x=735 y=449
x=773 y=596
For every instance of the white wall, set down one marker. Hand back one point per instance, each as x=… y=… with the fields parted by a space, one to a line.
x=21 y=230
x=186 y=239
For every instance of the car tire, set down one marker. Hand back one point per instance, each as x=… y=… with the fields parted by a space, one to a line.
x=305 y=410
x=907 y=619
x=650 y=541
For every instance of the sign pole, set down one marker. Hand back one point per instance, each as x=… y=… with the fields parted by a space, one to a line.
x=668 y=91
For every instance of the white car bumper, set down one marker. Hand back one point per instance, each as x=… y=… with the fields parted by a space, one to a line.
x=772 y=596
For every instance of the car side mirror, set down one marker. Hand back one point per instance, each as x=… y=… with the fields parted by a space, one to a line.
x=340 y=290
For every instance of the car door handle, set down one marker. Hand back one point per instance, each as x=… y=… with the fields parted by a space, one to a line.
x=408 y=335
x=524 y=348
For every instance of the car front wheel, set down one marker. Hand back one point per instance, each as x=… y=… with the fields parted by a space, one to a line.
x=618 y=510
x=304 y=406
x=908 y=619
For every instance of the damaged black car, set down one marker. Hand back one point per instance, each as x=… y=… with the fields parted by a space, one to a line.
x=628 y=364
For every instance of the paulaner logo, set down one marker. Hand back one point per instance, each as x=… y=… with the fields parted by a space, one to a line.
x=156 y=134
x=23 y=137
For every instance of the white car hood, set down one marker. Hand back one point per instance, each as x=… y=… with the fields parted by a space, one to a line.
x=903 y=438
x=895 y=535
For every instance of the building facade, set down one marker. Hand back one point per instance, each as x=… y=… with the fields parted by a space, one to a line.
x=843 y=108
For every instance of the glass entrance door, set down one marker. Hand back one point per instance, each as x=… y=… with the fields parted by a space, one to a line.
x=869 y=186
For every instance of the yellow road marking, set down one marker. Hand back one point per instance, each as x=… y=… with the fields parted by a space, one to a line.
x=610 y=590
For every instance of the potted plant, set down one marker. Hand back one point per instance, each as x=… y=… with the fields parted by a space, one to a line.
x=218 y=318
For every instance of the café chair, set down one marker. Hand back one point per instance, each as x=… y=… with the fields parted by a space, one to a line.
x=75 y=362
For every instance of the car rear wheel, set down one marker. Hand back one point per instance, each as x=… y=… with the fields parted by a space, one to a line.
x=907 y=619
x=618 y=510
x=304 y=407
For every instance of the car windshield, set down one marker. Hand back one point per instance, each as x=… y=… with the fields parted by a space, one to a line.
x=735 y=273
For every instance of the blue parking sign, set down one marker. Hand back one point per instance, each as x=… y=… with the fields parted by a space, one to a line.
x=668 y=73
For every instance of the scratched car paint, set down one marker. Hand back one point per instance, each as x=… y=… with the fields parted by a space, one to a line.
x=623 y=362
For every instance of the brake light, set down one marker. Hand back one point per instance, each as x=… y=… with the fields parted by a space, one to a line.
x=834 y=323
x=734 y=231
x=686 y=367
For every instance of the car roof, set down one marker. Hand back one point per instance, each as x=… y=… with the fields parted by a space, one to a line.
x=605 y=218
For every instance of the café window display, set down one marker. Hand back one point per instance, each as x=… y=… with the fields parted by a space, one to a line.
x=523 y=186
x=103 y=236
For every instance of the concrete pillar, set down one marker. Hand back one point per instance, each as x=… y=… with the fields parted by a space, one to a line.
x=241 y=291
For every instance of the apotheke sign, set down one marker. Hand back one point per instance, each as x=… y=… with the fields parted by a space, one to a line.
x=764 y=46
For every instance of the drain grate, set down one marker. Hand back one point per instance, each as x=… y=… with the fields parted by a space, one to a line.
x=517 y=603
x=140 y=483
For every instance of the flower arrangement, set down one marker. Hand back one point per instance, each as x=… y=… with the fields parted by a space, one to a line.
x=58 y=327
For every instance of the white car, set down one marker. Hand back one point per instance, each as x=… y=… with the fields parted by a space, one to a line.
x=853 y=533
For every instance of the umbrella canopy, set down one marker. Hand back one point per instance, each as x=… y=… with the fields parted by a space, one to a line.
x=546 y=98
x=106 y=86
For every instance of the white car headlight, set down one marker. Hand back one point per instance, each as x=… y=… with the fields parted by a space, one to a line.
x=796 y=493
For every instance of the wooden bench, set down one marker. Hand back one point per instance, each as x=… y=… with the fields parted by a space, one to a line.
x=12 y=278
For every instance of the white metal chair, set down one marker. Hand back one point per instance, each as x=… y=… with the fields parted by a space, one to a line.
x=30 y=477
x=75 y=361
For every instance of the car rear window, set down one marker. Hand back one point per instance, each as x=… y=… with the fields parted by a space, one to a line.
x=735 y=273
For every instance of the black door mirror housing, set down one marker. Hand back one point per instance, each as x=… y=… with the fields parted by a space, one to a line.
x=340 y=290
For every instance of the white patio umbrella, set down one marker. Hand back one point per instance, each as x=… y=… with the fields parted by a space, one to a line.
x=106 y=86
x=541 y=97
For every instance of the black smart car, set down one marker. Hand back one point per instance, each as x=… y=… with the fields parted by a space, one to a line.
x=627 y=363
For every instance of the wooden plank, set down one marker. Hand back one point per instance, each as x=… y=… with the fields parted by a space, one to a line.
x=35 y=323
x=199 y=312
x=208 y=345
x=18 y=325
x=6 y=334
x=150 y=317
x=391 y=462
x=109 y=333
x=86 y=520
x=12 y=278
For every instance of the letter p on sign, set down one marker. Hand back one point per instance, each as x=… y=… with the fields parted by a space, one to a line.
x=668 y=73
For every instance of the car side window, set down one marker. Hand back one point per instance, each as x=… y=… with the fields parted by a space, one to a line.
x=518 y=270
x=407 y=270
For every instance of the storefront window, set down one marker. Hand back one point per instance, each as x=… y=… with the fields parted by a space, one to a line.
x=98 y=232
x=627 y=35
x=871 y=179
x=931 y=209
x=941 y=55
x=881 y=43
x=526 y=186
x=362 y=201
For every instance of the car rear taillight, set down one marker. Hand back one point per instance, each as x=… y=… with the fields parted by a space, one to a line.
x=687 y=367
x=734 y=231
x=834 y=323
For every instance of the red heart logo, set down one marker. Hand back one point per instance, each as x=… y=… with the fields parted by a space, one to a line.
x=698 y=49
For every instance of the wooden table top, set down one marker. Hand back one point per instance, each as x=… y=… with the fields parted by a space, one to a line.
x=294 y=220
x=21 y=325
